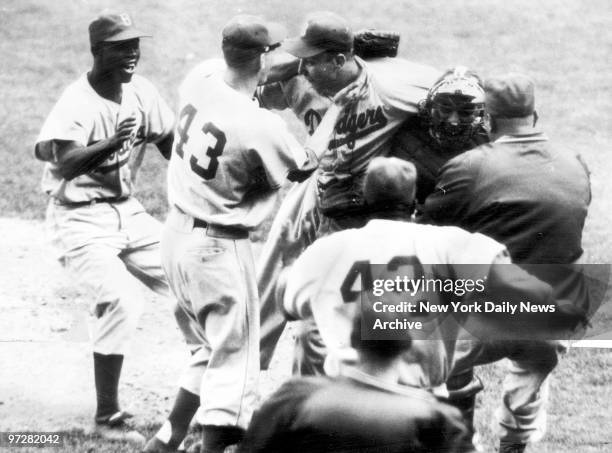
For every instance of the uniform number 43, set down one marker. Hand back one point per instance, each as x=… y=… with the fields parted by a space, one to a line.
x=216 y=141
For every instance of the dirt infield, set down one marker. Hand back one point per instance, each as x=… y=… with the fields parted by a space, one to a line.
x=46 y=377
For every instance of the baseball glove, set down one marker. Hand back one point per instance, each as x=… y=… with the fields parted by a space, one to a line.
x=373 y=43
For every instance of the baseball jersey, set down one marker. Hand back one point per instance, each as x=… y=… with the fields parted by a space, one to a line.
x=229 y=155
x=393 y=86
x=83 y=116
x=325 y=283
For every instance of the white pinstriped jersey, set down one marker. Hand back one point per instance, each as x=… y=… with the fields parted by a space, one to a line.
x=82 y=116
x=325 y=282
x=229 y=155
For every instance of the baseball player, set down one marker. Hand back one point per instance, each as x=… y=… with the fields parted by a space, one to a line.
x=534 y=198
x=363 y=409
x=450 y=121
x=230 y=158
x=394 y=88
x=327 y=280
x=93 y=142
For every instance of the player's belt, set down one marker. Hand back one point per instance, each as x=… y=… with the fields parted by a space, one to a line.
x=76 y=204
x=221 y=231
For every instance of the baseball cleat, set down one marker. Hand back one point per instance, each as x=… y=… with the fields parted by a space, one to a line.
x=116 y=419
x=113 y=427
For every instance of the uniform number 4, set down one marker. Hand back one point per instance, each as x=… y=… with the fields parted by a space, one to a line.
x=215 y=139
x=363 y=269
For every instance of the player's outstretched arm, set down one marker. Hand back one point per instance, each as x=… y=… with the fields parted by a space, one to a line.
x=507 y=282
x=284 y=66
x=74 y=160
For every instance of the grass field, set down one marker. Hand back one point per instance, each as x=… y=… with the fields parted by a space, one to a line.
x=564 y=45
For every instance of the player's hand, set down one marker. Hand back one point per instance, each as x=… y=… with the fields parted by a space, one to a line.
x=351 y=93
x=123 y=132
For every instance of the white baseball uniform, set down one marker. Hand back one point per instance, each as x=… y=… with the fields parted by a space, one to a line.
x=104 y=234
x=394 y=87
x=228 y=161
x=325 y=283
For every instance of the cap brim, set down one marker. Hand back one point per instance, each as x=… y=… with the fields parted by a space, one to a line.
x=299 y=48
x=127 y=35
x=276 y=33
x=518 y=126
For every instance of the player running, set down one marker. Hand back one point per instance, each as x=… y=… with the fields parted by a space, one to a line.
x=93 y=142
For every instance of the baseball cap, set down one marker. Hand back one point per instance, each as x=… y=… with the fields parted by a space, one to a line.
x=389 y=180
x=510 y=96
x=252 y=33
x=112 y=27
x=324 y=32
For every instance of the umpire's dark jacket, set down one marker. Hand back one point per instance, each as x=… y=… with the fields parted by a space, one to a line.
x=523 y=193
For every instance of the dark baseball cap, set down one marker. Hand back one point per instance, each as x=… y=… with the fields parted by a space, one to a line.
x=246 y=32
x=324 y=32
x=113 y=27
x=389 y=181
x=510 y=96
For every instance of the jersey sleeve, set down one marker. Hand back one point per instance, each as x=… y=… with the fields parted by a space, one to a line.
x=402 y=84
x=546 y=318
x=278 y=150
x=160 y=118
x=67 y=121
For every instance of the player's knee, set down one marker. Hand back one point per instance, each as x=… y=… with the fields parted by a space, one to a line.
x=119 y=312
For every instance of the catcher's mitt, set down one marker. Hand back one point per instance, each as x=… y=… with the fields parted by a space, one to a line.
x=373 y=43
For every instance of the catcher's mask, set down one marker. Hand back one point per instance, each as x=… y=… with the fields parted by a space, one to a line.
x=454 y=108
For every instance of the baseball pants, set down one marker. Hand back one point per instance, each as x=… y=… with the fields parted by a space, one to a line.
x=522 y=415
x=104 y=246
x=296 y=223
x=310 y=350
x=213 y=279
